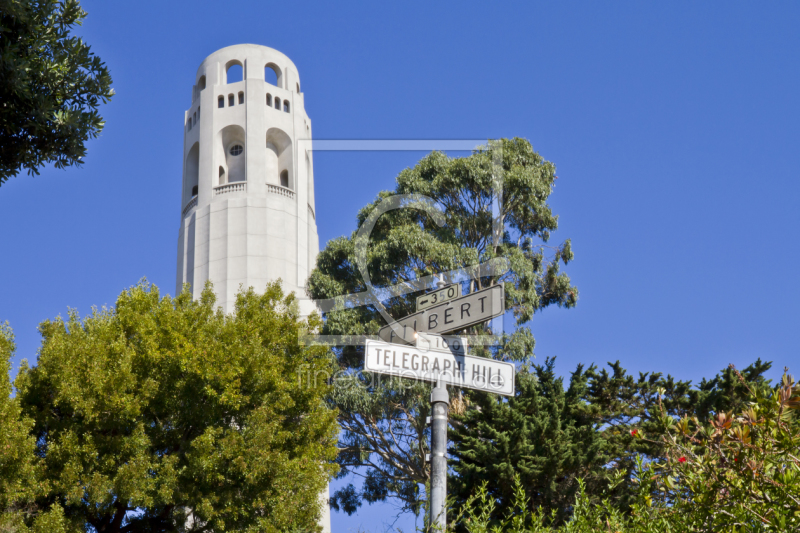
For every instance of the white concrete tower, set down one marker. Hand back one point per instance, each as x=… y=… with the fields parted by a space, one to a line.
x=247 y=208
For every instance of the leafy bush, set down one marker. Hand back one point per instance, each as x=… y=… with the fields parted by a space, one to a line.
x=734 y=474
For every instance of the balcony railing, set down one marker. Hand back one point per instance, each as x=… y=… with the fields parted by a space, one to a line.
x=237 y=186
x=283 y=191
x=192 y=203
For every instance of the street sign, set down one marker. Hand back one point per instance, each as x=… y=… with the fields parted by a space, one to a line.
x=440 y=366
x=453 y=315
x=417 y=350
x=439 y=296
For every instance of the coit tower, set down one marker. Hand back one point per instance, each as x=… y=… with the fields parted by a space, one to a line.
x=247 y=203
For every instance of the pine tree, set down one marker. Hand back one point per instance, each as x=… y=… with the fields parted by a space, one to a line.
x=550 y=436
x=545 y=434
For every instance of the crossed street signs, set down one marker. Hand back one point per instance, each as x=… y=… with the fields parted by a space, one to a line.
x=442 y=360
x=453 y=315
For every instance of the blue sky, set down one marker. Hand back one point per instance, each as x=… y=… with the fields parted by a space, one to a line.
x=674 y=127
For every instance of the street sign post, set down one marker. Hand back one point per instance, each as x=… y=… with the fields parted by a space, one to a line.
x=414 y=348
x=452 y=315
x=438 y=296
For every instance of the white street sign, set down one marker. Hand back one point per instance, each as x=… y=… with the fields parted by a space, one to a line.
x=460 y=313
x=433 y=365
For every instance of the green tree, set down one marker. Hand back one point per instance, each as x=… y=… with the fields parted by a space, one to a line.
x=548 y=437
x=625 y=407
x=163 y=414
x=384 y=434
x=20 y=480
x=51 y=86
x=735 y=474
x=545 y=437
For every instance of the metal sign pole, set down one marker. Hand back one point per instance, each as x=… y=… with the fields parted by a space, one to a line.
x=414 y=348
x=440 y=404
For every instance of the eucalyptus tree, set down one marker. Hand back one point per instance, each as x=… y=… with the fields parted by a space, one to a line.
x=460 y=215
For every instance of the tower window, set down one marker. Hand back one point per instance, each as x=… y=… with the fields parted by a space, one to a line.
x=285 y=178
x=234 y=72
x=286 y=105
x=221 y=101
x=298 y=88
x=277 y=103
x=230 y=100
x=190 y=124
x=194 y=190
x=241 y=98
x=194 y=119
x=269 y=99
x=271 y=74
x=236 y=149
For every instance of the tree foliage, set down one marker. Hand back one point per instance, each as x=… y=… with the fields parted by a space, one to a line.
x=736 y=470
x=735 y=473
x=20 y=479
x=549 y=436
x=164 y=414
x=546 y=437
x=384 y=433
x=51 y=86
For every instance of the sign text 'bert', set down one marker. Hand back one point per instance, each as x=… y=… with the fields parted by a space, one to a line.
x=454 y=315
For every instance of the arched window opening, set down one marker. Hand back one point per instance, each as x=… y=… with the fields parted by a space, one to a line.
x=234 y=72
x=277 y=103
x=201 y=83
x=198 y=112
x=191 y=173
x=194 y=118
x=279 y=164
x=230 y=100
x=298 y=88
x=241 y=97
x=286 y=105
x=221 y=101
x=272 y=74
x=269 y=100
x=222 y=176
x=189 y=125
x=230 y=152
